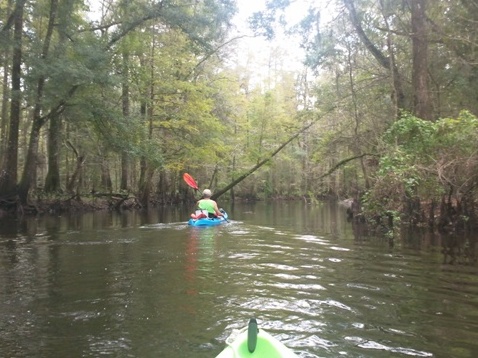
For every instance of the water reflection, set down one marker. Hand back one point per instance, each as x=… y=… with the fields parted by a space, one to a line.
x=459 y=250
x=199 y=253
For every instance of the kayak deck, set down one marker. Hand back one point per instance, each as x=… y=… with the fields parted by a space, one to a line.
x=262 y=344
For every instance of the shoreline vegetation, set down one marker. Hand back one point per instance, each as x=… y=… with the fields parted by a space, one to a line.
x=443 y=218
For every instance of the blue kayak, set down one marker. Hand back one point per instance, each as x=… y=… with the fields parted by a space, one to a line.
x=209 y=221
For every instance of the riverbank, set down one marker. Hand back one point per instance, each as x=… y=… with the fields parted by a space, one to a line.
x=444 y=218
x=71 y=204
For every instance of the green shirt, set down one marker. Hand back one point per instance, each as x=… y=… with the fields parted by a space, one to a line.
x=207 y=204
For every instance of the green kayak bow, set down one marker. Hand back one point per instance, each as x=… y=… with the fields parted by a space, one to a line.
x=254 y=342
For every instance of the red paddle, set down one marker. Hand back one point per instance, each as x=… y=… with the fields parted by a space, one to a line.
x=190 y=181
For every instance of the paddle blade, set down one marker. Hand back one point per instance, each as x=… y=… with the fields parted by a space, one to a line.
x=190 y=181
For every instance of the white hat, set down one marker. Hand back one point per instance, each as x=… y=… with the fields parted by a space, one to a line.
x=207 y=192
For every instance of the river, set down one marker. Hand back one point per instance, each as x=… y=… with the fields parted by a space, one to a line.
x=147 y=285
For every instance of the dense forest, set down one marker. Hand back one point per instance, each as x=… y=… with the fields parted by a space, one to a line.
x=115 y=100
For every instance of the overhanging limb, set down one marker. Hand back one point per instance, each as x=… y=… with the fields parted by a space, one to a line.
x=264 y=161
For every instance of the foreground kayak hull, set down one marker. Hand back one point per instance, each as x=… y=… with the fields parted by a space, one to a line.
x=209 y=221
x=265 y=346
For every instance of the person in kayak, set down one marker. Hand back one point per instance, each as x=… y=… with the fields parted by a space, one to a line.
x=209 y=205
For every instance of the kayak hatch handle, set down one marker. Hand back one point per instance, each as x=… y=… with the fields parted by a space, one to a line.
x=252 y=331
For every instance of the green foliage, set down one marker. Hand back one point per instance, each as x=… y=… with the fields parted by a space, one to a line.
x=413 y=138
x=187 y=108
x=412 y=134
x=424 y=160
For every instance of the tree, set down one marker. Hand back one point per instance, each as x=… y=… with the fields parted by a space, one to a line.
x=8 y=175
x=385 y=61
x=52 y=179
x=421 y=96
x=5 y=37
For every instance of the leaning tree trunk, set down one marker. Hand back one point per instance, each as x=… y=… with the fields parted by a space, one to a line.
x=260 y=163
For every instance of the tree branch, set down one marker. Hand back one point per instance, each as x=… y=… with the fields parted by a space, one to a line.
x=345 y=161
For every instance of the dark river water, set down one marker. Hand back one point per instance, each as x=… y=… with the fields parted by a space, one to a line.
x=147 y=285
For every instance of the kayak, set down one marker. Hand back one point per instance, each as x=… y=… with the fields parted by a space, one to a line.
x=254 y=342
x=209 y=221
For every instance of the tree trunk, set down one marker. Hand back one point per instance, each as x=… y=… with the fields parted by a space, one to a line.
x=30 y=169
x=80 y=160
x=8 y=175
x=392 y=62
x=145 y=187
x=145 y=177
x=421 y=95
x=384 y=61
x=125 y=98
x=147 y=171
x=52 y=180
x=29 y=172
x=356 y=143
x=106 y=182
x=5 y=89
x=143 y=165
x=73 y=186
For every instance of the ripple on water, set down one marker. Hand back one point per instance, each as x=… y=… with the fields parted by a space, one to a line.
x=279 y=266
x=103 y=346
x=311 y=341
x=372 y=345
x=312 y=239
x=239 y=232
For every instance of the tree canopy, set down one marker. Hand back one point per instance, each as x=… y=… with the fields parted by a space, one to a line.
x=125 y=96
